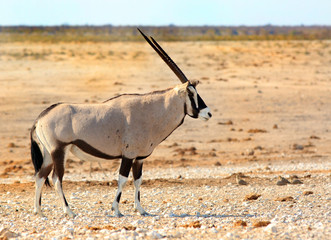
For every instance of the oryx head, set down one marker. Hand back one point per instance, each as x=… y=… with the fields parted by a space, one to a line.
x=195 y=107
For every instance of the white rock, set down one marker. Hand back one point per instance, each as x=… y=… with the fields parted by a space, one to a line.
x=213 y=230
x=104 y=231
x=138 y=222
x=154 y=235
x=271 y=228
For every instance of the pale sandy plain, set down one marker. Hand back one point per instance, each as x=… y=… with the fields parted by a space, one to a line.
x=271 y=106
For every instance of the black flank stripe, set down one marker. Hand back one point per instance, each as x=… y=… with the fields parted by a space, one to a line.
x=85 y=147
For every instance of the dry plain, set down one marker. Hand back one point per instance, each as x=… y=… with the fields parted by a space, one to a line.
x=271 y=117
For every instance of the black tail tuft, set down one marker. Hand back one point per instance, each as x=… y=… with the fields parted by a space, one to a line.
x=36 y=156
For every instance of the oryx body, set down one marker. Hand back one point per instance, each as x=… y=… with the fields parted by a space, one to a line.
x=128 y=126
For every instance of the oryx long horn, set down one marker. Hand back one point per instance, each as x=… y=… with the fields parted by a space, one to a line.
x=165 y=58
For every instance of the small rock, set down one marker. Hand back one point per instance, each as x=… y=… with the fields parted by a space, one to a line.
x=240 y=223
x=155 y=235
x=240 y=181
x=297 y=147
x=229 y=122
x=218 y=164
x=195 y=224
x=297 y=181
x=284 y=199
x=252 y=197
x=275 y=126
x=250 y=152
x=282 y=181
x=214 y=230
x=5 y=233
x=12 y=145
x=314 y=137
x=256 y=130
x=271 y=228
x=138 y=222
x=129 y=228
x=261 y=224
x=307 y=193
x=258 y=148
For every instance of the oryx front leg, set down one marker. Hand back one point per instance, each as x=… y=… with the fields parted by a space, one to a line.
x=137 y=176
x=58 y=158
x=122 y=179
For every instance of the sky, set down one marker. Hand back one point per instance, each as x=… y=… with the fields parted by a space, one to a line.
x=165 y=12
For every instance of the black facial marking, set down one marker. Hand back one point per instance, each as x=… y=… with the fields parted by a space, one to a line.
x=201 y=103
x=195 y=110
x=119 y=197
x=125 y=167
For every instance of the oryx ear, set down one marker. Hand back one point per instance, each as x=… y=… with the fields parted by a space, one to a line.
x=194 y=82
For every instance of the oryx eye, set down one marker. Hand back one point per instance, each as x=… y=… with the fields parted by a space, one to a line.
x=189 y=93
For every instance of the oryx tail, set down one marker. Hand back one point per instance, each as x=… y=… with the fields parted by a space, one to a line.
x=36 y=155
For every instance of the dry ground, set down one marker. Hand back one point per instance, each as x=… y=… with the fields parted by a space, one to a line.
x=271 y=116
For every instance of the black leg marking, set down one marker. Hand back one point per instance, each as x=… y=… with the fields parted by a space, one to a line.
x=40 y=201
x=125 y=167
x=137 y=168
x=58 y=159
x=139 y=196
x=119 y=197
x=65 y=201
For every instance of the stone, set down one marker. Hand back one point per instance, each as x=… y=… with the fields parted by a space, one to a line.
x=5 y=233
x=240 y=223
x=282 y=181
x=261 y=224
x=252 y=197
x=271 y=228
x=284 y=199
x=307 y=193
x=297 y=181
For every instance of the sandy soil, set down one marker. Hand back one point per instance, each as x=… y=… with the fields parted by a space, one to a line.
x=271 y=116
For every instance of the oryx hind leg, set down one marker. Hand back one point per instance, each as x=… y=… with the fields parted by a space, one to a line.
x=58 y=156
x=137 y=177
x=122 y=179
x=41 y=177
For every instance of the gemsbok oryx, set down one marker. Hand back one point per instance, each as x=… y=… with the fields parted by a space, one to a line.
x=129 y=126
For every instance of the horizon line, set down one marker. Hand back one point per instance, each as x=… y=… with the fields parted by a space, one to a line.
x=160 y=26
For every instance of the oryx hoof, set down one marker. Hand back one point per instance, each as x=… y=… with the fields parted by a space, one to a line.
x=40 y=214
x=70 y=214
x=118 y=214
x=145 y=214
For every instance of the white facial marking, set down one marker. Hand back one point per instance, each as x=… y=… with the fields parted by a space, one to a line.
x=195 y=95
x=204 y=114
